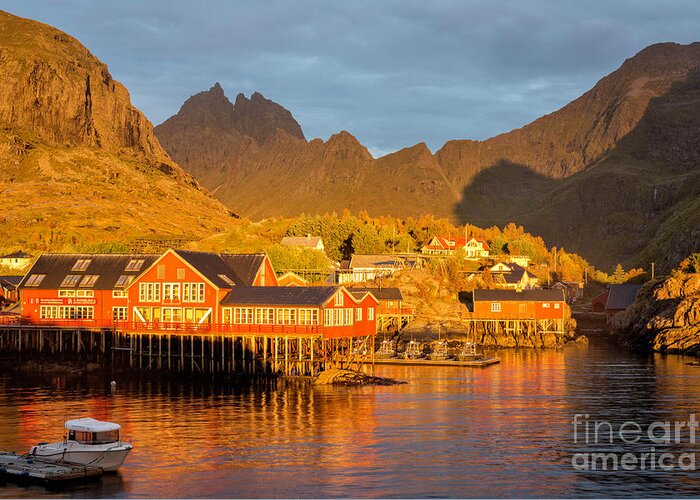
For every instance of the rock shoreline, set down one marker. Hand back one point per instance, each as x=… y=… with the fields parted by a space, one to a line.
x=665 y=317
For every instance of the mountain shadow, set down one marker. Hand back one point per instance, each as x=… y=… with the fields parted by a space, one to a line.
x=639 y=203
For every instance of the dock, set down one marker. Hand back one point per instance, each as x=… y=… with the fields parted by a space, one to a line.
x=430 y=362
x=23 y=468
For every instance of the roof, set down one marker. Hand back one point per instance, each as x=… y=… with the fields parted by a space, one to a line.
x=17 y=255
x=519 y=296
x=382 y=293
x=109 y=268
x=514 y=276
x=376 y=261
x=454 y=243
x=240 y=269
x=280 y=295
x=91 y=425
x=302 y=241
x=621 y=296
x=10 y=281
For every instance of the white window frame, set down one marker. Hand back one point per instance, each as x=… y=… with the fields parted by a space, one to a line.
x=495 y=307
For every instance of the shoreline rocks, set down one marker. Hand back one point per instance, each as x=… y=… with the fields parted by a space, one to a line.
x=665 y=317
x=338 y=376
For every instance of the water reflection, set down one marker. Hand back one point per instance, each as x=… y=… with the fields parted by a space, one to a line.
x=457 y=432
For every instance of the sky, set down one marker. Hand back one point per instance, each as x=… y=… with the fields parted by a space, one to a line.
x=392 y=73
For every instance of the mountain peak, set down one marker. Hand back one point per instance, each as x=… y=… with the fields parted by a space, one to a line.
x=259 y=117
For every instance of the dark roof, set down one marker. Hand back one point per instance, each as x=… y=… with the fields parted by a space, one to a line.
x=523 y=296
x=515 y=275
x=621 y=296
x=241 y=269
x=17 y=255
x=280 y=295
x=109 y=267
x=383 y=293
x=245 y=266
x=10 y=282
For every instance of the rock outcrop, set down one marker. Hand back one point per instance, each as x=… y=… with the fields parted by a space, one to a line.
x=81 y=165
x=666 y=315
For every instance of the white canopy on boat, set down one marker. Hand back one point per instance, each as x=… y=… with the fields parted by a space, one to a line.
x=91 y=425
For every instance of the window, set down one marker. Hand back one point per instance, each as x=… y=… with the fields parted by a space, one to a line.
x=348 y=317
x=181 y=273
x=171 y=314
x=358 y=314
x=71 y=280
x=243 y=315
x=193 y=292
x=66 y=312
x=370 y=314
x=35 y=280
x=149 y=292
x=227 y=280
x=160 y=271
x=119 y=313
x=339 y=299
x=495 y=307
x=545 y=305
x=134 y=265
x=83 y=293
x=124 y=281
x=556 y=306
x=117 y=294
x=328 y=317
x=286 y=316
x=89 y=280
x=227 y=315
x=66 y=293
x=308 y=316
x=171 y=291
x=264 y=315
x=81 y=265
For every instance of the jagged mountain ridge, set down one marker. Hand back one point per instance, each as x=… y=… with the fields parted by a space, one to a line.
x=79 y=163
x=546 y=175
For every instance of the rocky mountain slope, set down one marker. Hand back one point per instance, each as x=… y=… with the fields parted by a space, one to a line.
x=666 y=314
x=78 y=163
x=613 y=175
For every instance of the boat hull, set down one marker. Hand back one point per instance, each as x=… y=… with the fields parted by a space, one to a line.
x=109 y=457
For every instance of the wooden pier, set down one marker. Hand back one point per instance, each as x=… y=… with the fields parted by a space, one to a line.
x=442 y=362
x=22 y=468
x=183 y=348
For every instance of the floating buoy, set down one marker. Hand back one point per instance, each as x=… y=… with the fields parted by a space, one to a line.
x=113 y=386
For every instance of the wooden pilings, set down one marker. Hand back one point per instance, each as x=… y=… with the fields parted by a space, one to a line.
x=516 y=332
x=211 y=353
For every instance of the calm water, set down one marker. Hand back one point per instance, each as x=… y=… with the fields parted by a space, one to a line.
x=501 y=431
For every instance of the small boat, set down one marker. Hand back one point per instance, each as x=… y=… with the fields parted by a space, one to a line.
x=414 y=350
x=89 y=442
x=440 y=352
x=469 y=353
x=386 y=350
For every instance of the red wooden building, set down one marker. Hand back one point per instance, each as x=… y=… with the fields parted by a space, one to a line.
x=187 y=287
x=525 y=304
x=79 y=289
x=327 y=311
x=185 y=291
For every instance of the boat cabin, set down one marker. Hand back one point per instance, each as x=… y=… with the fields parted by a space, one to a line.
x=91 y=431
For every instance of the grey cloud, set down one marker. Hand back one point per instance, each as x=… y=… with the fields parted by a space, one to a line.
x=393 y=73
